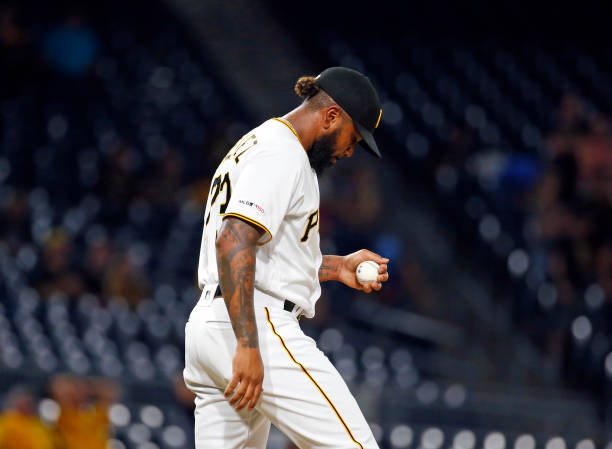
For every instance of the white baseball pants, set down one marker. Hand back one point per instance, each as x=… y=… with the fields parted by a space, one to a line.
x=304 y=395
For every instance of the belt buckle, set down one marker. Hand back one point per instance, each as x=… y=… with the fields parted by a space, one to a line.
x=296 y=310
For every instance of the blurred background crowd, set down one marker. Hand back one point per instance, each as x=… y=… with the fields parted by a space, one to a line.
x=493 y=202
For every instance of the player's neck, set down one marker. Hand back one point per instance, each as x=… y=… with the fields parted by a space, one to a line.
x=304 y=124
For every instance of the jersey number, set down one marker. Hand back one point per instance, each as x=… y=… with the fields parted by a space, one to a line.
x=217 y=187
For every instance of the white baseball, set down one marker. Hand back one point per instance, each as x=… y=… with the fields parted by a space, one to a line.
x=367 y=272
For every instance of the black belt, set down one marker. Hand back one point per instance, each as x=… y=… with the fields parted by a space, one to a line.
x=288 y=305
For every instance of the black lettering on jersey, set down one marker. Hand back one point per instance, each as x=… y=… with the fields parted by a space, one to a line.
x=242 y=146
x=313 y=221
x=228 y=192
x=217 y=186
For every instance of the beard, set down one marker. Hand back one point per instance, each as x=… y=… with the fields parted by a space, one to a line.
x=320 y=153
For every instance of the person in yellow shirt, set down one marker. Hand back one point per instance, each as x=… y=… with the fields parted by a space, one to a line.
x=83 y=420
x=20 y=426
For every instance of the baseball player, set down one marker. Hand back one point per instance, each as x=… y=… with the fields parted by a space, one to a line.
x=246 y=358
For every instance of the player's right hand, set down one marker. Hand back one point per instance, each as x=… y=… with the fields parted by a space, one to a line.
x=247 y=376
x=350 y=262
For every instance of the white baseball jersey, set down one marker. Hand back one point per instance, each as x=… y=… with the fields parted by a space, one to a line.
x=266 y=179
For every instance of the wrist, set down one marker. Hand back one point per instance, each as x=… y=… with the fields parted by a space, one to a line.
x=246 y=347
x=330 y=268
x=247 y=343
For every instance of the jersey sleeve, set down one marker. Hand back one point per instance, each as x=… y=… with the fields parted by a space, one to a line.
x=263 y=192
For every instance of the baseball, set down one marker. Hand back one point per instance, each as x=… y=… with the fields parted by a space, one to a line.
x=367 y=272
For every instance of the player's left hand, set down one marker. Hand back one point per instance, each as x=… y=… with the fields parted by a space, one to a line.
x=349 y=265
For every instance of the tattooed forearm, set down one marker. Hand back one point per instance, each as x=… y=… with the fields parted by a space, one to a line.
x=235 y=246
x=330 y=268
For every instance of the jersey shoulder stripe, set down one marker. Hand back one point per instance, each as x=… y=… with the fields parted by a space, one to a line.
x=250 y=220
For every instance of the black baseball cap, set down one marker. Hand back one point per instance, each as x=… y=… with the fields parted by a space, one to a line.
x=354 y=92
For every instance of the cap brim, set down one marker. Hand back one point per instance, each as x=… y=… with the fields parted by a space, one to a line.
x=367 y=142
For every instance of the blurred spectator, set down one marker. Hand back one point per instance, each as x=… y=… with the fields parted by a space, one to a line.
x=603 y=269
x=118 y=178
x=418 y=289
x=10 y=33
x=71 y=48
x=21 y=70
x=58 y=273
x=125 y=280
x=84 y=402
x=15 y=215
x=20 y=426
x=167 y=179
x=574 y=198
x=360 y=203
x=97 y=260
x=571 y=114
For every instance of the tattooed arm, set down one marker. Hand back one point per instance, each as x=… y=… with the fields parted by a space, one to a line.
x=329 y=269
x=342 y=268
x=236 y=245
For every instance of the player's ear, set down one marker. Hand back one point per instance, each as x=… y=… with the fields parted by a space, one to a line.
x=332 y=116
